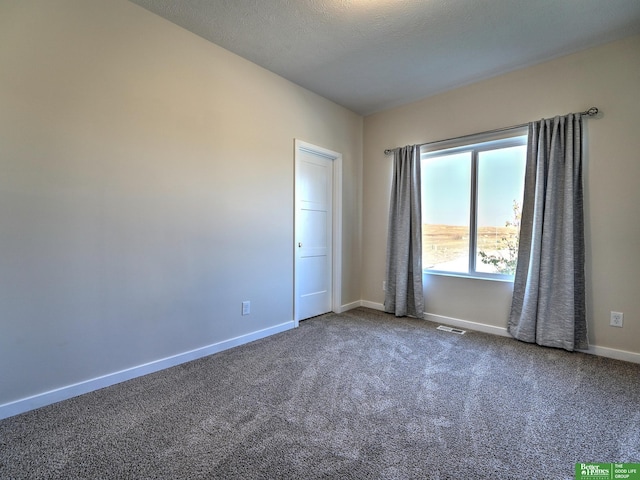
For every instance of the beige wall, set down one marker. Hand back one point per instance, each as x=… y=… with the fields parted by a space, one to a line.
x=607 y=77
x=146 y=189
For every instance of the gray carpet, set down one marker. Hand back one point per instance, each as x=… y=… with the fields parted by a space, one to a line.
x=356 y=395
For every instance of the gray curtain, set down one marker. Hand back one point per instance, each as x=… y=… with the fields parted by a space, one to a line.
x=404 y=245
x=548 y=305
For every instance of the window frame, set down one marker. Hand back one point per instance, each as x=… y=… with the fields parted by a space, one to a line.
x=482 y=142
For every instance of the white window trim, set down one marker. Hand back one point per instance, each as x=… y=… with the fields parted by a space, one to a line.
x=512 y=137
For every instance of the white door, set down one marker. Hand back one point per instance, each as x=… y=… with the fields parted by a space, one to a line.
x=314 y=173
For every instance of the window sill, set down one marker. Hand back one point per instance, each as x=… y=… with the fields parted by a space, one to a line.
x=467 y=276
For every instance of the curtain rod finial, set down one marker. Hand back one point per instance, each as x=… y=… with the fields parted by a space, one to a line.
x=592 y=111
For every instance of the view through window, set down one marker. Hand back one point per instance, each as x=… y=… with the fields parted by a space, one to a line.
x=471 y=203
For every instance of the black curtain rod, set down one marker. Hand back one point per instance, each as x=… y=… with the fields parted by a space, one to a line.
x=591 y=112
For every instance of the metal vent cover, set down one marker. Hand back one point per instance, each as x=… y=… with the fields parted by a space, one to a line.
x=451 y=330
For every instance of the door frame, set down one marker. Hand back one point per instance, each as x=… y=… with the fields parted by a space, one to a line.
x=336 y=240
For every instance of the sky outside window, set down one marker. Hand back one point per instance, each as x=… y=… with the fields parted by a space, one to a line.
x=500 y=182
x=446 y=195
x=446 y=182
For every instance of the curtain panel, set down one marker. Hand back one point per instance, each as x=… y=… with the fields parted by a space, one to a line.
x=404 y=294
x=548 y=306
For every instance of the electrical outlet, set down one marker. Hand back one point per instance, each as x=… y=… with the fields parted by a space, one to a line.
x=617 y=319
x=384 y=286
x=246 y=307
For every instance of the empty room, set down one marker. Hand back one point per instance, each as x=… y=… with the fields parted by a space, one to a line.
x=319 y=239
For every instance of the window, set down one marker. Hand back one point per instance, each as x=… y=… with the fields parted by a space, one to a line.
x=472 y=192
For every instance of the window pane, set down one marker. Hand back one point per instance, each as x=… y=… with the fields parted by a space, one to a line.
x=500 y=190
x=446 y=181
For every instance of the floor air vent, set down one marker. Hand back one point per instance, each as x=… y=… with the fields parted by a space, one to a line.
x=451 y=330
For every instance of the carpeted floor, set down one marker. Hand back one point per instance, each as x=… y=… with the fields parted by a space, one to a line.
x=356 y=395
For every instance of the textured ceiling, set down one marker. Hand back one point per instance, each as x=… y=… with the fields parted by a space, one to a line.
x=370 y=55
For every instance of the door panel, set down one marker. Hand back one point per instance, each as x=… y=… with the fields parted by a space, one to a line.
x=313 y=273
x=314 y=228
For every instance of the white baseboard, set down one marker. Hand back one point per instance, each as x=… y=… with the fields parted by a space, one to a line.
x=349 y=306
x=613 y=353
x=503 y=332
x=373 y=305
x=467 y=325
x=69 y=391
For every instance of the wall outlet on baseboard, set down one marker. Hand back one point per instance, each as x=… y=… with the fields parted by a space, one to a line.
x=617 y=318
x=246 y=307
